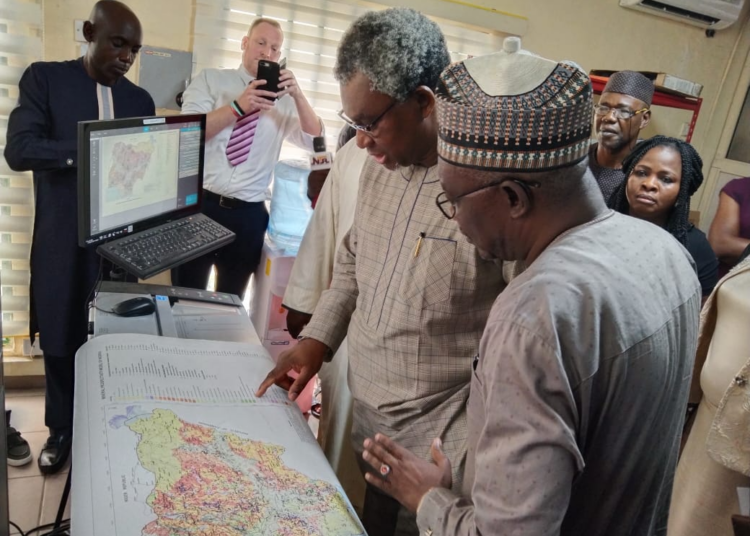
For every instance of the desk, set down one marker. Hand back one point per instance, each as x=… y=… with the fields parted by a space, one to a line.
x=182 y=313
x=169 y=438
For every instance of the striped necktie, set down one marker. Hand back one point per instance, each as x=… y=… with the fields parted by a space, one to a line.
x=242 y=137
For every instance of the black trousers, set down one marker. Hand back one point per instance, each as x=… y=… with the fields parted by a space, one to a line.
x=58 y=400
x=237 y=261
x=382 y=515
x=59 y=370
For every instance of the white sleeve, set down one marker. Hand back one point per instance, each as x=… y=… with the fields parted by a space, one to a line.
x=294 y=133
x=197 y=98
x=333 y=216
x=313 y=267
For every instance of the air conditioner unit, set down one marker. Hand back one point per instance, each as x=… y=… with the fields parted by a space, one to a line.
x=713 y=14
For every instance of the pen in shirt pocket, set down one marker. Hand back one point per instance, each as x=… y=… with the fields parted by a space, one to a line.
x=419 y=244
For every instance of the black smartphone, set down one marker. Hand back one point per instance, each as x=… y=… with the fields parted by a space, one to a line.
x=270 y=72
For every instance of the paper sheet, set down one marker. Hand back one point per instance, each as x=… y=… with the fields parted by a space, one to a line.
x=170 y=439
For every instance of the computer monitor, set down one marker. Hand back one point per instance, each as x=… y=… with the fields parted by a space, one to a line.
x=134 y=174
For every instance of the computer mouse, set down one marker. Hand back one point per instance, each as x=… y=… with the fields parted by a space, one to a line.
x=135 y=307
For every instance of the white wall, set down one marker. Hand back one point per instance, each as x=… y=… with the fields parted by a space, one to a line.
x=599 y=34
x=166 y=23
x=596 y=34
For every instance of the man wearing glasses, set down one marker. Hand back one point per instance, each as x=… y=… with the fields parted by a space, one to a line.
x=623 y=111
x=411 y=292
x=579 y=388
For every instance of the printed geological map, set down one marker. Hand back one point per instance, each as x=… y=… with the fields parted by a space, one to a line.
x=208 y=481
x=178 y=445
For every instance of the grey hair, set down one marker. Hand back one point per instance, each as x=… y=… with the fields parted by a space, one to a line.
x=398 y=49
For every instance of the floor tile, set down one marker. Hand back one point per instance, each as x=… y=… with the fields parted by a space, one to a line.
x=27 y=413
x=25 y=499
x=36 y=441
x=53 y=490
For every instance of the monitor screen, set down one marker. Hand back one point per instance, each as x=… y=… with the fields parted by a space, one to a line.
x=134 y=174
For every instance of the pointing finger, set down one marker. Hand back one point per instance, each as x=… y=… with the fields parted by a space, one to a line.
x=277 y=374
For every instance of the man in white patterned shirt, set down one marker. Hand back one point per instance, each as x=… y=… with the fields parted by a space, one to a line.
x=240 y=157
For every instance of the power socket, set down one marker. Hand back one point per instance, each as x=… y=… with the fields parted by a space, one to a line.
x=78 y=31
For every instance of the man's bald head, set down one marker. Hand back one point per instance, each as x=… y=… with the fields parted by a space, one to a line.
x=114 y=35
x=106 y=10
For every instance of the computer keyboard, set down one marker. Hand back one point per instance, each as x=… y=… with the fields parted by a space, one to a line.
x=166 y=246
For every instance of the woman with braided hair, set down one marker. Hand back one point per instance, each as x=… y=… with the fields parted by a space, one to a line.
x=662 y=175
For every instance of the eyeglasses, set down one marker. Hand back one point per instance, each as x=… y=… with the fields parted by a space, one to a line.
x=448 y=206
x=618 y=113
x=366 y=128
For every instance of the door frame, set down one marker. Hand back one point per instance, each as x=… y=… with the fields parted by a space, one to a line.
x=707 y=201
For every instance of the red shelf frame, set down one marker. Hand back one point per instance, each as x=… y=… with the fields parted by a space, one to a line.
x=661 y=98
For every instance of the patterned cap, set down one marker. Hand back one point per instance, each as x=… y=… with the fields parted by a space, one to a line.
x=631 y=83
x=542 y=129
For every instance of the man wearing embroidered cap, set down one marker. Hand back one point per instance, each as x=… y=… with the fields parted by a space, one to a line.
x=578 y=392
x=624 y=110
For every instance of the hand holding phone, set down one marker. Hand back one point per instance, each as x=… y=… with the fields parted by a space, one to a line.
x=269 y=85
x=255 y=98
x=270 y=71
x=288 y=84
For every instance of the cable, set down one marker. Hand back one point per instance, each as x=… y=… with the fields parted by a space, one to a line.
x=101 y=310
x=63 y=501
x=65 y=525
x=22 y=533
x=97 y=284
x=62 y=529
x=117 y=273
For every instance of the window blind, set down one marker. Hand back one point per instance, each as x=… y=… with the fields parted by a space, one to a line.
x=20 y=45
x=312 y=31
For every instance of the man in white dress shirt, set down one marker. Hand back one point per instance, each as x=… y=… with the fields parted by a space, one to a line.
x=245 y=129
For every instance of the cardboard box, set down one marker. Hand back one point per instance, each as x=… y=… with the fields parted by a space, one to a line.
x=664 y=82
